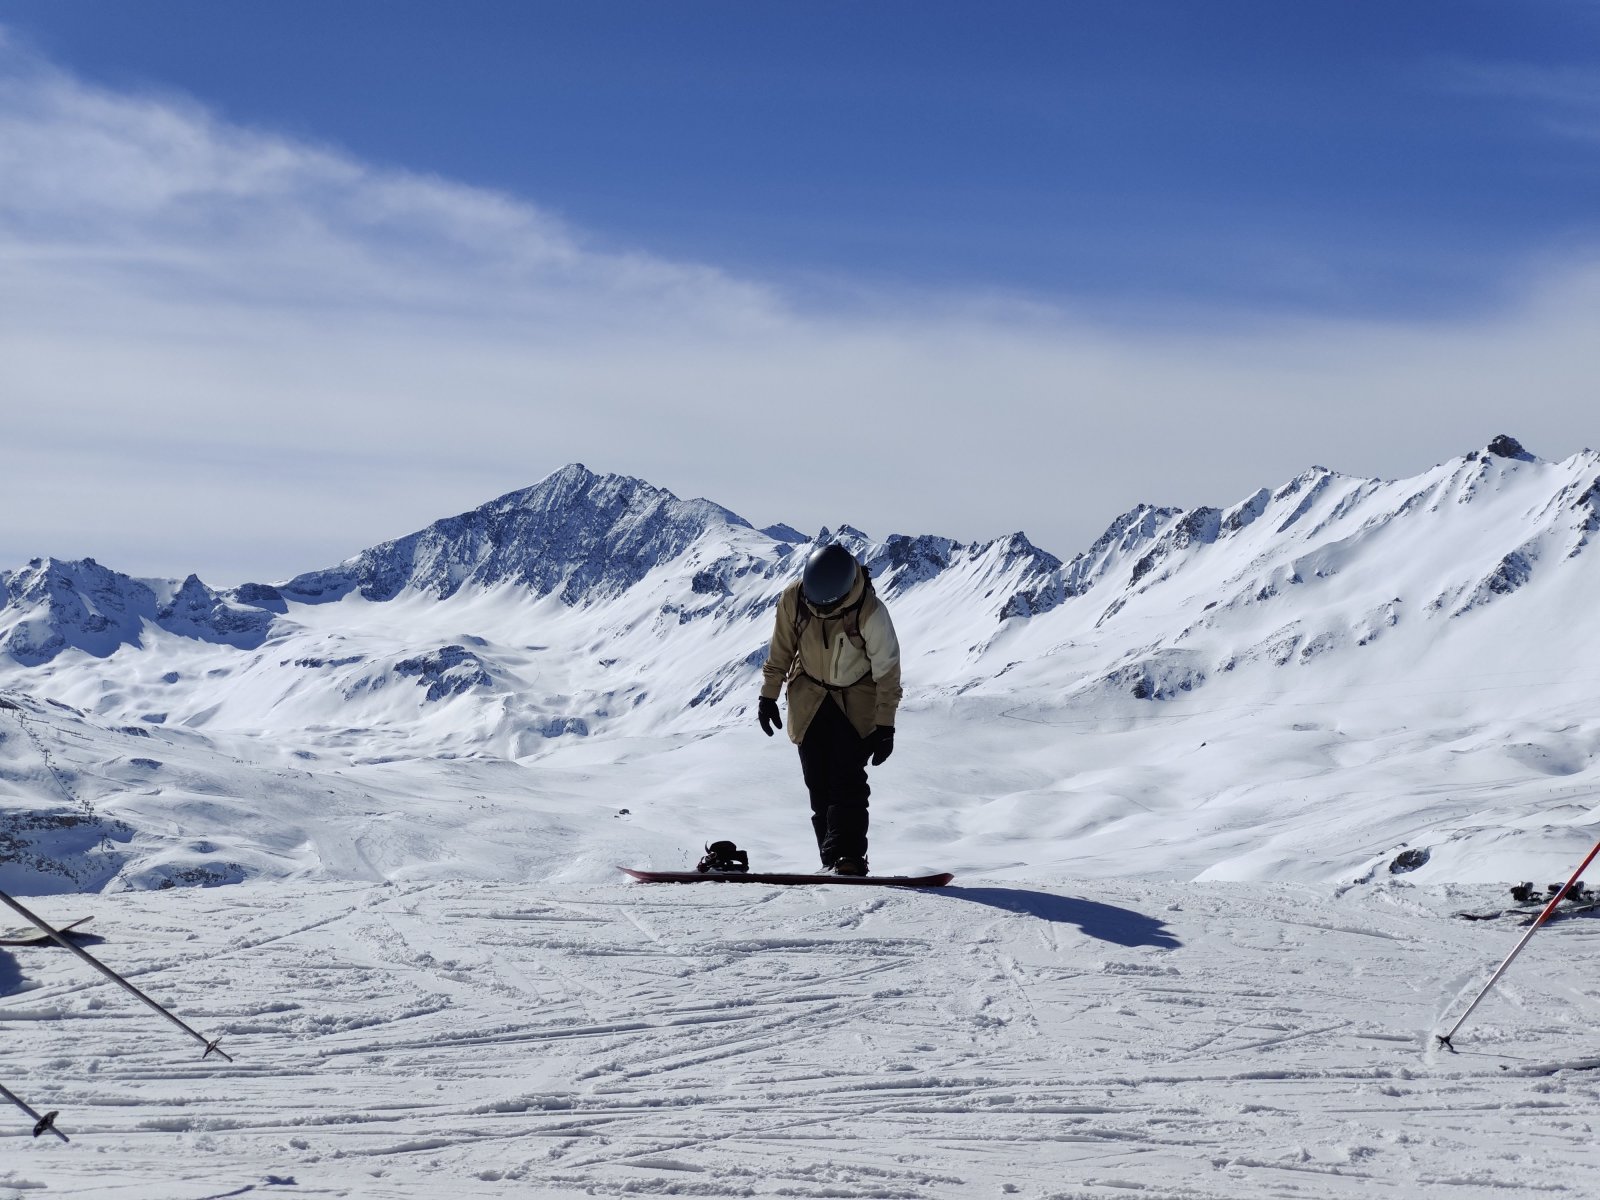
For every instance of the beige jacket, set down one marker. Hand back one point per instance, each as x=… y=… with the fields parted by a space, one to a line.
x=866 y=682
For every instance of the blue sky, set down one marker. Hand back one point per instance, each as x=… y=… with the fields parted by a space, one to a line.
x=1353 y=155
x=282 y=280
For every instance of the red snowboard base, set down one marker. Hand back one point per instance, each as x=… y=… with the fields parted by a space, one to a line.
x=909 y=881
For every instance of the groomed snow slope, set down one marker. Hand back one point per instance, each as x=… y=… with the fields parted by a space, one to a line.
x=1197 y=1041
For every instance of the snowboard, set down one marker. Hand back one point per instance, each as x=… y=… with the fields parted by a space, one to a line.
x=1527 y=916
x=907 y=881
x=1531 y=902
x=41 y=939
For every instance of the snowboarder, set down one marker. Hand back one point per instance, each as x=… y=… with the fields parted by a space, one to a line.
x=833 y=643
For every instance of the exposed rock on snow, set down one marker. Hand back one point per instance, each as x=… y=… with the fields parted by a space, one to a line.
x=448 y=671
x=1505 y=446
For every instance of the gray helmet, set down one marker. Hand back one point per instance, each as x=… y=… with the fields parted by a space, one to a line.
x=830 y=574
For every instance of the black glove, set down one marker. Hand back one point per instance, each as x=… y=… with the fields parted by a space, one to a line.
x=879 y=743
x=767 y=714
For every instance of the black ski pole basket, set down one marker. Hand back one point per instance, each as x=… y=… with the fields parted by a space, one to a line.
x=723 y=857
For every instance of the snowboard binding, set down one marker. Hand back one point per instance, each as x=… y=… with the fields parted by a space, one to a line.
x=723 y=858
x=1578 y=893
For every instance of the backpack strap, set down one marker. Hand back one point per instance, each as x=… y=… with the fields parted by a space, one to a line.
x=852 y=617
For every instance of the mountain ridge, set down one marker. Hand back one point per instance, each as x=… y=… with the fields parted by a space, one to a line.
x=588 y=538
x=576 y=534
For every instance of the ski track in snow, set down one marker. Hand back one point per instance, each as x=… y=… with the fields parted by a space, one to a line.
x=1196 y=1040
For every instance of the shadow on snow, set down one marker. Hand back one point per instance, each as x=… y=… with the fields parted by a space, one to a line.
x=1107 y=922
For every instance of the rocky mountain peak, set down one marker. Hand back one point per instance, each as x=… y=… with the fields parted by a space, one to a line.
x=1506 y=446
x=574 y=533
x=787 y=534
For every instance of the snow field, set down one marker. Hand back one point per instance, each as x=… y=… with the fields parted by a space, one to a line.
x=1326 y=788
x=1196 y=1040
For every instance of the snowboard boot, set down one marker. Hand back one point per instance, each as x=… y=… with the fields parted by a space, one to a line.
x=850 y=866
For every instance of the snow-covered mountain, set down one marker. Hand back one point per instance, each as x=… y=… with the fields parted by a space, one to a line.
x=1337 y=645
x=52 y=606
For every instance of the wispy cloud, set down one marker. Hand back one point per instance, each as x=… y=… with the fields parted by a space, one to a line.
x=231 y=351
x=1564 y=98
x=160 y=191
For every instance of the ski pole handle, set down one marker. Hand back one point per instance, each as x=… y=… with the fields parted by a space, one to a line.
x=41 y=1124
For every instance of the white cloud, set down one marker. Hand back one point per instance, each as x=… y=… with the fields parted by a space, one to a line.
x=228 y=351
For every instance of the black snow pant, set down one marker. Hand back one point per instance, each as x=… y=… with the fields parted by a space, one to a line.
x=834 y=760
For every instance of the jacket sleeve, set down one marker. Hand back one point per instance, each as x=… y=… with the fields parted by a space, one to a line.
x=780 y=652
x=883 y=650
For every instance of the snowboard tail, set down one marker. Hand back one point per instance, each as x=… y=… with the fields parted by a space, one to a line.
x=41 y=939
x=908 y=881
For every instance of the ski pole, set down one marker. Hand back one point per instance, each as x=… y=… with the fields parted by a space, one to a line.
x=40 y=1124
x=1444 y=1038
x=211 y=1045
